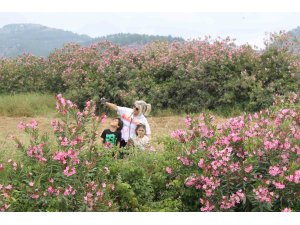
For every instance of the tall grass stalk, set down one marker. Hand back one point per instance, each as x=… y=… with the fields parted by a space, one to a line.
x=28 y=105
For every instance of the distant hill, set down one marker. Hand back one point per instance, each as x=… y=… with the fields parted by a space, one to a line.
x=296 y=32
x=16 y=39
x=293 y=42
x=136 y=39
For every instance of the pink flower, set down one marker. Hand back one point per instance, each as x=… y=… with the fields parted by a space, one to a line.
x=35 y=196
x=263 y=194
x=279 y=185
x=274 y=170
x=201 y=163
x=206 y=205
x=99 y=193
x=21 y=126
x=286 y=210
x=188 y=121
x=185 y=161
x=108 y=145
x=190 y=181
x=31 y=184
x=50 y=190
x=179 y=135
x=104 y=185
x=32 y=124
x=69 y=171
x=4 y=207
x=74 y=142
x=79 y=139
x=8 y=187
x=69 y=190
x=248 y=169
x=1 y=167
x=169 y=170
x=103 y=118
x=64 y=142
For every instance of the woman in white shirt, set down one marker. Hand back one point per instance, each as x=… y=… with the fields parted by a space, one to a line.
x=131 y=117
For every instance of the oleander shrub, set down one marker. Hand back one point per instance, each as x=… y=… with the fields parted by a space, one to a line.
x=249 y=163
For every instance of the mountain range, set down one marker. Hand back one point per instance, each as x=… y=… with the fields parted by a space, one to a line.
x=39 y=40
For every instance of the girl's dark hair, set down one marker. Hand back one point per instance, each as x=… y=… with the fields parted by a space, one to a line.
x=138 y=126
x=120 y=124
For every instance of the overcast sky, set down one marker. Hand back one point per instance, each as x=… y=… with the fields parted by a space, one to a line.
x=245 y=27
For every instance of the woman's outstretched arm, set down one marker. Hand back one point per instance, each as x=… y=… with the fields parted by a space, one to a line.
x=111 y=106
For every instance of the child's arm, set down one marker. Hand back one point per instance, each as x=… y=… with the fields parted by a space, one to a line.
x=102 y=137
x=119 y=138
x=101 y=140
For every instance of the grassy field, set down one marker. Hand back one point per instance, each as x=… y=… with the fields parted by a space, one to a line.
x=160 y=126
x=25 y=107
x=29 y=105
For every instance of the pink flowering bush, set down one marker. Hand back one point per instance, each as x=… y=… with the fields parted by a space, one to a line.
x=74 y=173
x=249 y=163
x=219 y=73
x=24 y=73
x=62 y=176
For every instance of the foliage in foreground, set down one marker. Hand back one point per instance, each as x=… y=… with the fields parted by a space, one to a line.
x=249 y=163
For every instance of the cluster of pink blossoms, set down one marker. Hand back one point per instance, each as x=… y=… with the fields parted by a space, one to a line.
x=37 y=152
x=68 y=158
x=179 y=135
x=232 y=200
x=33 y=124
x=262 y=194
x=63 y=105
x=5 y=196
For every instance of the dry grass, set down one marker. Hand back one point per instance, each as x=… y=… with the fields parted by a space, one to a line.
x=160 y=127
x=8 y=128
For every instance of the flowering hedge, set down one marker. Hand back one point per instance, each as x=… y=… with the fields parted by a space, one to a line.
x=65 y=176
x=25 y=73
x=194 y=74
x=250 y=163
x=71 y=172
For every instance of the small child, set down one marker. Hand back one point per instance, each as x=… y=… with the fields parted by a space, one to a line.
x=112 y=136
x=141 y=141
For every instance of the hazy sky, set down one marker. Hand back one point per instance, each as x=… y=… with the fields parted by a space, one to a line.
x=246 y=21
x=245 y=27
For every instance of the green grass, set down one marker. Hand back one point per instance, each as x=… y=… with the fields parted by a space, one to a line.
x=226 y=112
x=28 y=105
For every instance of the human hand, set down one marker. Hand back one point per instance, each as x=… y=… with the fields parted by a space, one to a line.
x=103 y=101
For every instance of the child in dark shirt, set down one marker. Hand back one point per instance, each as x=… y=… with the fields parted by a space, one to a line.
x=112 y=136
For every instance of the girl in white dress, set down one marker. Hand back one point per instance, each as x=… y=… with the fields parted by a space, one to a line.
x=141 y=141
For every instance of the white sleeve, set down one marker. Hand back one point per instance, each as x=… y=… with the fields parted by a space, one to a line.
x=123 y=110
